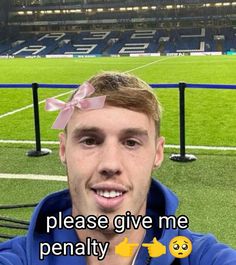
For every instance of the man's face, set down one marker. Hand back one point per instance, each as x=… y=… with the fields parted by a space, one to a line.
x=110 y=154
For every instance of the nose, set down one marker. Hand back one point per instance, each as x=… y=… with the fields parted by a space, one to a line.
x=110 y=161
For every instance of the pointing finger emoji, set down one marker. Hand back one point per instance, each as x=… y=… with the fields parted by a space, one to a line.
x=124 y=248
x=155 y=249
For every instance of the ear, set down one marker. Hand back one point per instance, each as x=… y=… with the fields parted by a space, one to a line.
x=62 y=148
x=159 y=152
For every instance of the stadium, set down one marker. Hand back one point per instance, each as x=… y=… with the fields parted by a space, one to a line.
x=95 y=28
x=161 y=41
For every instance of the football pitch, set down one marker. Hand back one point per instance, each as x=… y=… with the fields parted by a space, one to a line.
x=206 y=188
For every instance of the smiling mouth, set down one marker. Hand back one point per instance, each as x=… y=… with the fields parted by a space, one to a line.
x=109 y=196
x=109 y=193
x=109 y=190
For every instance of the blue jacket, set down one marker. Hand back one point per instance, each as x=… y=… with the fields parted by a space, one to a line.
x=161 y=201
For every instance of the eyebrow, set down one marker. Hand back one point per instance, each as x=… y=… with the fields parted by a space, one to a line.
x=78 y=132
x=134 y=131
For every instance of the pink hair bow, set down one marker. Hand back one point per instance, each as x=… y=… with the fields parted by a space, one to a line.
x=79 y=100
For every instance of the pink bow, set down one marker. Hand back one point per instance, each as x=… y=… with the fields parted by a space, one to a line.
x=78 y=101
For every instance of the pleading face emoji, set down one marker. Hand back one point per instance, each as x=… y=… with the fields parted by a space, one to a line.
x=180 y=247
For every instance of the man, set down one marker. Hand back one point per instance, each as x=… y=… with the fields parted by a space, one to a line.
x=110 y=145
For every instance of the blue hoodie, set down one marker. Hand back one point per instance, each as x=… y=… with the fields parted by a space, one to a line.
x=161 y=201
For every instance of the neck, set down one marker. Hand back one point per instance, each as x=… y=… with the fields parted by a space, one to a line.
x=110 y=257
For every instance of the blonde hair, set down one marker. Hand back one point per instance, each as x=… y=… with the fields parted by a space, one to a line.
x=129 y=92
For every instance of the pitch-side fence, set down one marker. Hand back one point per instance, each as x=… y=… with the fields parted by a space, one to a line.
x=181 y=157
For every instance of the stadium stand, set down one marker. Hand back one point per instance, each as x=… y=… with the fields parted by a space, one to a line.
x=110 y=27
x=120 y=42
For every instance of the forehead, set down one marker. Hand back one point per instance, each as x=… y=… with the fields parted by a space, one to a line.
x=111 y=119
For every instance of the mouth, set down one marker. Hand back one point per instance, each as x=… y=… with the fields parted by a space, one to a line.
x=109 y=196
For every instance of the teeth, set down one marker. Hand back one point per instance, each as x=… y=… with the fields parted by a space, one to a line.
x=109 y=194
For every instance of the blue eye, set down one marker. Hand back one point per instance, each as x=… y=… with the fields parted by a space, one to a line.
x=89 y=141
x=131 y=143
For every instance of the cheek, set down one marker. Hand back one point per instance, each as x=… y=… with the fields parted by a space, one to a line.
x=144 y=164
x=141 y=171
x=79 y=166
x=73 y=157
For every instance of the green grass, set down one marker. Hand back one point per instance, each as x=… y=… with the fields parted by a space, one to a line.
x=206 y=188
x=213 y=69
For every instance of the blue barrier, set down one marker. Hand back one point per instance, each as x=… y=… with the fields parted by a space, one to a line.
x=182 y=157
x=73 y=86
x=164 y=85
x=211 y=86
x=15 y=85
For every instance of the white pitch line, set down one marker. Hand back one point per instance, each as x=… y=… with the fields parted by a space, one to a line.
x=32 y=177
x=15 y=111
x=199 y=147
x=145 y=65
x=27 y=142
x=29 y=106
